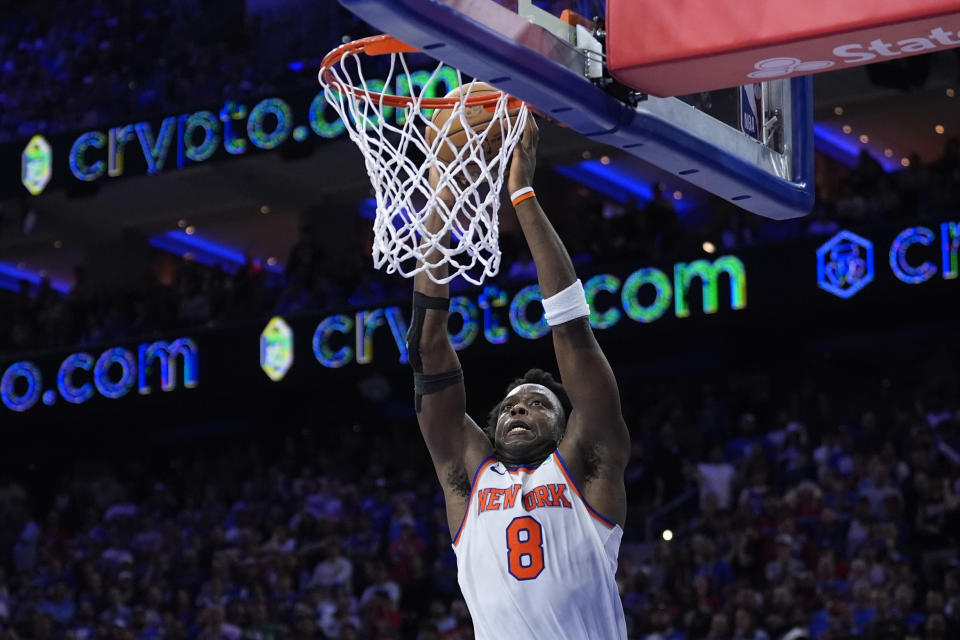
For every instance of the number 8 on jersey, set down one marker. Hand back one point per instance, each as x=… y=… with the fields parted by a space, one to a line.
x=524 y=548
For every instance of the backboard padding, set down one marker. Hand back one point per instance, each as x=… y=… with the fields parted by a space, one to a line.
x=496 y=45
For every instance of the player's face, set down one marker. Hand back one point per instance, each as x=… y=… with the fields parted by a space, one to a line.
x=530 y=417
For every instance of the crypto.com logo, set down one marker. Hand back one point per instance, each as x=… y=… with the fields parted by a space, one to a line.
x=779 y=67
x=845 y=264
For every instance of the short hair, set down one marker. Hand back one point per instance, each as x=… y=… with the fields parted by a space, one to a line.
x=533 y=376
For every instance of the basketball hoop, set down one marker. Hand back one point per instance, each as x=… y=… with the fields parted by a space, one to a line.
x=391 y=130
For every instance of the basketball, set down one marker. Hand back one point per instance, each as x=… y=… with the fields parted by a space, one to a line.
x=479 y=119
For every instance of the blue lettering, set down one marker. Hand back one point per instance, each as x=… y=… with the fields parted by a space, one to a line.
x=231 y=111
x=78 y=156
x=8 y=393
x=467 y=310
x=118 y=137
x=155 y=151
x=128 y=373
x=491 y=298
x=321 y=349
x=898 y=255
x=255 y=129
x=70 y=392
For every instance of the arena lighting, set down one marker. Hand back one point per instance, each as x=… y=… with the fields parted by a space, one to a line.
x=112 y=374
x=845 y=150
x=276 y=349
x=36 y=165
x=846 y=262
x=644 y=296
x=368 y=209
x=181 y=140
x=203 y=250
x=945 y=249
x=667 y=535
x=11 y=277
x=617 y=182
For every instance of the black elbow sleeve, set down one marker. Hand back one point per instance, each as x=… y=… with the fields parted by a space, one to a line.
x=420 y=305
x=425 y=384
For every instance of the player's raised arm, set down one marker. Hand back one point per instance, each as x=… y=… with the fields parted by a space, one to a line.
x=456 y=443
x=596 y=443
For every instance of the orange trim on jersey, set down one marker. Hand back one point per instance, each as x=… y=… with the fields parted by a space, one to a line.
x=488 y=461
x=573 y=485
x=519 y=469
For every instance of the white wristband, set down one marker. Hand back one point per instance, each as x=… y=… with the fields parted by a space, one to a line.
x=566 y=305
x=520 y=192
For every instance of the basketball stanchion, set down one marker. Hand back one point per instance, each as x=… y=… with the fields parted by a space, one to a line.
x=468 y=136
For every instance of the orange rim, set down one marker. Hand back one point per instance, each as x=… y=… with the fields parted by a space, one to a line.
x=386 y=44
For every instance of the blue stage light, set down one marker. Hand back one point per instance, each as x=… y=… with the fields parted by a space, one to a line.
x=11 y=276
x=846 y=149
x=618 y=182
x=203 y=250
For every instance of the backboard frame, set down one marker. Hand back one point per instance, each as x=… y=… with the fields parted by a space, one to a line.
x=498 y=46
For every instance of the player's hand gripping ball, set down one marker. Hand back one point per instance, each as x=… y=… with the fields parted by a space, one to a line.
x=479 y=119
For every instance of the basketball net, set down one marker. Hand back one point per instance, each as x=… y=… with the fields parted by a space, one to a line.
x=391 y=132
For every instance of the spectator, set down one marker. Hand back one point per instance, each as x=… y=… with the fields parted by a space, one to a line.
x=381 y=583
x=745 y=627
x=716 y=477
x=216 y=627
x=335 y=570
x=719 y=627
x=661 y=621
x=783 y=564
x=863 y=611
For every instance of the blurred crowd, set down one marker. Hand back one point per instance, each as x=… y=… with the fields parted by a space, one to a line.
x=65 y=66
x=817 y=510
x=182 y=294
x=849 y=533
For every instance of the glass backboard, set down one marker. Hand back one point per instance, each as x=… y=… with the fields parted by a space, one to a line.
x=752 y=145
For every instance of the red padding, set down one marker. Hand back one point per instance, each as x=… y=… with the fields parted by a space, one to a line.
x=685 y=46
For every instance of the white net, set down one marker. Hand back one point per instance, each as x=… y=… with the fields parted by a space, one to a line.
x=464 y=195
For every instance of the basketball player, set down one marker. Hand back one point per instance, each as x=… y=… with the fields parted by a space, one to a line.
x=536 y=503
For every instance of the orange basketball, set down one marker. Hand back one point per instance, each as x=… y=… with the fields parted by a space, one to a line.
x=479 y=119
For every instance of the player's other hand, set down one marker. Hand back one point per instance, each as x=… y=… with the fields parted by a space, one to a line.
x=524 y=162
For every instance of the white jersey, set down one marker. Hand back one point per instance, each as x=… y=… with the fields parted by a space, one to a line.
x=535 y=560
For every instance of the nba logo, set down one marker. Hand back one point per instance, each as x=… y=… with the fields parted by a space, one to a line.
x=751 y=109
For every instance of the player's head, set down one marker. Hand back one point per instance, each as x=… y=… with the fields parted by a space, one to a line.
x=526 y=426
